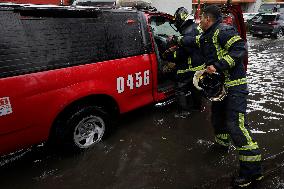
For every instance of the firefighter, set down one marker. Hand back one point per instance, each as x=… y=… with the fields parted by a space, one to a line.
x=188 y=60
x=223 y=50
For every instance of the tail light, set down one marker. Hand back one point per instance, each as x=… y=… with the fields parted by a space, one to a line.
x=272 y=23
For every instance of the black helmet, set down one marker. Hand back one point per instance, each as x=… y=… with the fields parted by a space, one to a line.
x=212 y=85
x=180 y=17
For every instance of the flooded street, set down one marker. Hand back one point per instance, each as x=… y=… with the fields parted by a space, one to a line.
x=152 y=149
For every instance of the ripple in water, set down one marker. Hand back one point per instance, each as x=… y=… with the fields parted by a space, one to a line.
x=266 y=82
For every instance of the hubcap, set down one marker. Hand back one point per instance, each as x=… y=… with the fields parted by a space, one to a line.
x=89 y=131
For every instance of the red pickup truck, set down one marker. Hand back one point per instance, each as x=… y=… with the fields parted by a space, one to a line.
x=38 y=2
x=66 y=73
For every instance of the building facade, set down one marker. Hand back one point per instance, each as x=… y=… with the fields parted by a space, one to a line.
x=170 y=6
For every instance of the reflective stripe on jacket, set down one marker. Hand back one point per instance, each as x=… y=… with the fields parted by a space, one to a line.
x=222 y=47
x=193 y=55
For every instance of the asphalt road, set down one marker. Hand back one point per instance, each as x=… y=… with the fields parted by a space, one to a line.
x=153 y=149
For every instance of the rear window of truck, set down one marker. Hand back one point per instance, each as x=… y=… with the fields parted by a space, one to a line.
x=267 y=18
x=38 y=43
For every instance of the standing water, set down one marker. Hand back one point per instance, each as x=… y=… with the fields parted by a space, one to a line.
x=153 y=149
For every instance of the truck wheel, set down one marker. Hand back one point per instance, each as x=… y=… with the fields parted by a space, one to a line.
x=83 y=128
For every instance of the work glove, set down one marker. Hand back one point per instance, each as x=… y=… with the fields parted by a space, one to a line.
x=169 y=67
x=172 y=41
x=169 y=53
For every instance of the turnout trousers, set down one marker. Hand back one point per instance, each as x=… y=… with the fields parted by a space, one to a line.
x=230 y=124
x=188 y=97
x=182 y=89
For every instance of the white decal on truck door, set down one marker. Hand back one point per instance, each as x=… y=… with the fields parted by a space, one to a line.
x=135 y=80
x=139 y=80
x=5 y=106
x=120 y=84
x=130 y=82
x=147 y=77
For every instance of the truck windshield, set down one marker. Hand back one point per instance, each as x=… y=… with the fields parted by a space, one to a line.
x=161 y=26
x=267 y=8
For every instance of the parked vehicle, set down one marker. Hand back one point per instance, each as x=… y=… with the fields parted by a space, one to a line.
x=248 y=16
x=269 y=24
x=248 y=19
x=66 y=73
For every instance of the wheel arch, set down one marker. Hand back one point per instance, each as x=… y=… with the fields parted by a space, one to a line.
x=107 y=103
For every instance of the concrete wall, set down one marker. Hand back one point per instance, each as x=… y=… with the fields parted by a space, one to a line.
x=170 y=6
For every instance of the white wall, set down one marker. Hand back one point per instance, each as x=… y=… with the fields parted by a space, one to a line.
x=170 y=6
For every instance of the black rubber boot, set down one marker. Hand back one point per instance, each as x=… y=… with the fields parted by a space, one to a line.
x=219 y=149
x=243 y=182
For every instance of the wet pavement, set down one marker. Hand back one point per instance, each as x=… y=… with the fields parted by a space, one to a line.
x=153 y=149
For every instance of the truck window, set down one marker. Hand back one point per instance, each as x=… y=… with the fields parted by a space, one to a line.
x=271 y=7
x=161 y=30
x=162 y=26
x=266 y=8
x=124 y=37
x=34 y=43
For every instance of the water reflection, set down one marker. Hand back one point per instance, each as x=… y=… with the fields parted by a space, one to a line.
x=266 y=76
x=266 y=102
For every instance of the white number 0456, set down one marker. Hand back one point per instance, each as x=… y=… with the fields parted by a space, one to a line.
x=133 y=80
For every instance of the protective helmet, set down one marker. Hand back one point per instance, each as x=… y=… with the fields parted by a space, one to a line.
x=180 y=16
x=212 y=85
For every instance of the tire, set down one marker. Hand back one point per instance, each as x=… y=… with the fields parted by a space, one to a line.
x=257 y=35
x=260 y=36
x=82 y=128
x=279 y=34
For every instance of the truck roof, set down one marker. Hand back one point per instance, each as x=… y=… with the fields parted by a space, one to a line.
x=80 y=11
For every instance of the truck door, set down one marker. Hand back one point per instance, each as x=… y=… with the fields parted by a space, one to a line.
x=161 y=30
